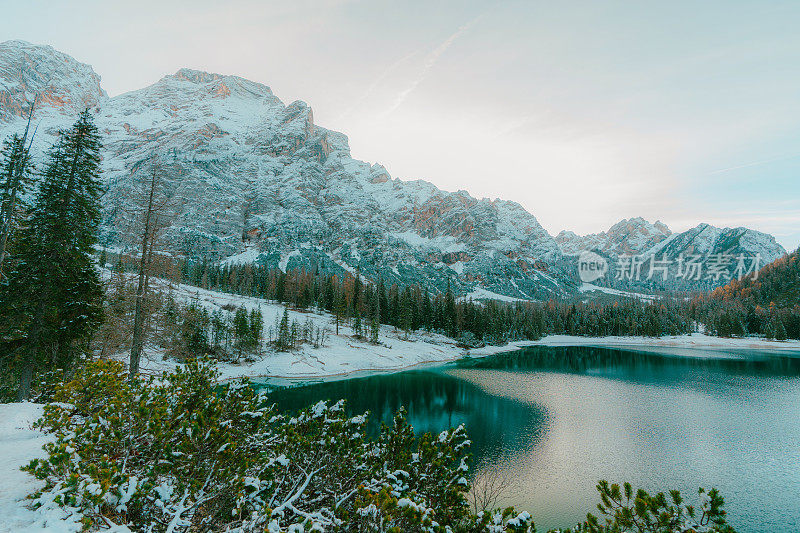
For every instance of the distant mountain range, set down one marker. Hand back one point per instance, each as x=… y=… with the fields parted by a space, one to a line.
x=637 y=241
x=261 y=182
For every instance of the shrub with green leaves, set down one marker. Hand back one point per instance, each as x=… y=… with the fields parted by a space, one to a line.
x=640 y=512
x=183 y=453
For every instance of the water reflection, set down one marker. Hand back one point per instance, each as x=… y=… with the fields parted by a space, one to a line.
x=434 y=401
x=641 y=363
x=558 y=419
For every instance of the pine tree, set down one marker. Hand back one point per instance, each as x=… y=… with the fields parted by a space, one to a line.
x=53 y=298
x=218 y=329
x=375 y=326
x=194 y=331
x=256 y=328
x=16 y=172
x=451 y=326
x=339 y=308
x=284 y=341
x=405 y=319
x=779 y=328
x=241 y=328
x=357 y=325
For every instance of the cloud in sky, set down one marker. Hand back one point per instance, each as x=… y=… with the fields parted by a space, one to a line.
x=585 y=113
x=384 y=75
x=756 y=163
x=430 y=61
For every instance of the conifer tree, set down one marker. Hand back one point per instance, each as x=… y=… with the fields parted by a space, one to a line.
x=53 y=297
x=256 y=327
x=780 y=329
x=357 y=325
x=284 y=340
x=405 y=318
x=16 y=171
x=241 y=328
x=375 y=326
x=450 y=312
x=383 y=303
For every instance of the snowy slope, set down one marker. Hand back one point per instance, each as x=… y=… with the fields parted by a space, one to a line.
x=340 y=355
x=705 y=239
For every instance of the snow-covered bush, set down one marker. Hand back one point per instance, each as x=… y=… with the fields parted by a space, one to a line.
x=469 y=340
x=184 y=453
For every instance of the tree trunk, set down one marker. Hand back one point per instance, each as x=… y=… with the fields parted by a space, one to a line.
x=6 y=229
x=137 y=345
x=25 y=378
x=8 y=214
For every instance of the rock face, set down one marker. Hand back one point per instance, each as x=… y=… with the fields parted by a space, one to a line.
x=255 y=180
x=64 y=86
x=259 y=181
x=629 y=236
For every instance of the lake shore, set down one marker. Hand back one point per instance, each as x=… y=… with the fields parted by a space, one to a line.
x=343 y=355
x=696 y=344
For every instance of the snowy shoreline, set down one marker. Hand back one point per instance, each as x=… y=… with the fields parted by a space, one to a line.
x=697 y=345
x=343 y=356
x=692 y=340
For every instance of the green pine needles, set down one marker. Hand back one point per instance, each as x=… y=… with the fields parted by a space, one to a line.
x=51 y=299
x=184 y=453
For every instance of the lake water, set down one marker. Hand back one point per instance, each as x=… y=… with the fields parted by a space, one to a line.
x=556 y=420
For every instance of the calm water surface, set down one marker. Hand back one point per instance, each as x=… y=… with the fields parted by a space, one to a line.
x=559 y=419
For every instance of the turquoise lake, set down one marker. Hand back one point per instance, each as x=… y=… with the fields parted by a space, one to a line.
x=555 y=420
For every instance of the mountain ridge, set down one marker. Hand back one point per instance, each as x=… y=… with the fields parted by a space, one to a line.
x=263 y=181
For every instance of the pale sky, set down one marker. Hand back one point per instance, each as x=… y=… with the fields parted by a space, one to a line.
x=583 y=112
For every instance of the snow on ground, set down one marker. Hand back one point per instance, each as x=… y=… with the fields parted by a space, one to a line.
x=458 y=267
x=341 y=354
x=19 y=443
x=484 y=294
x=590 y=287
x=284 y=262
x=697 y=341
x=250 y=255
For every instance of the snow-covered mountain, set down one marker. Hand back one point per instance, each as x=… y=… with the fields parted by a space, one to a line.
x=638 y=237
x=628 y=236
x=259 y=181
x=262 y=182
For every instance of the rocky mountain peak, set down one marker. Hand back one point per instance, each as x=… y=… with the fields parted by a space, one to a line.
x=663 y=228
x=63 y=85
x=196 y=76
x=628 y=236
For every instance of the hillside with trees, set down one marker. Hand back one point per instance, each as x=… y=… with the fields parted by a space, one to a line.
x=767 y=304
